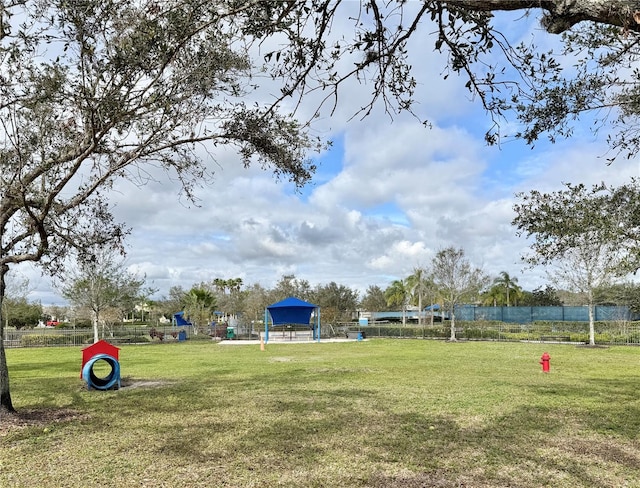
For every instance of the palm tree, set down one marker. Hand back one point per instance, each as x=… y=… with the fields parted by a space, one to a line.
x=494 y=296
x=398 y=294
x=509 y=284
x=420 y=284
x=234 y=284
x=199 y=306
x=220 y=284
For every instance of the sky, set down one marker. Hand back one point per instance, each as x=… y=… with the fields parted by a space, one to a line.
x=387 y=196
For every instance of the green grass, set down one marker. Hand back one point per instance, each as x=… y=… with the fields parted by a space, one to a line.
x=376 y=414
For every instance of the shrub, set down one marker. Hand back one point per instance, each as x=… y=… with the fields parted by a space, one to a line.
x=31 y=340
x=83 y=323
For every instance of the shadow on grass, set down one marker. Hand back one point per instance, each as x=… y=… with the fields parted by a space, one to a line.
x=559 y=441
x=610 y=407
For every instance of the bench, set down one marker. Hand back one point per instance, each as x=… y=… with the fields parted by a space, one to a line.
x=289 y=335
x=555 y=338
x=353 y=334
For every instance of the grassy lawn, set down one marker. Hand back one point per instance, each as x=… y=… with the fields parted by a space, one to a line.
x=379 y=413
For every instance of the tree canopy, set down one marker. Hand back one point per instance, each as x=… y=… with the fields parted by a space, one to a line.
x=92 y=91
x=101 y=283
x=580 y=216
x=594 y=70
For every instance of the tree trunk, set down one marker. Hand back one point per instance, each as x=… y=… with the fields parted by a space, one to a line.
x=590 y=302
x=96 y=332
x=6 y=405
x=592 y=328
x=453 y=326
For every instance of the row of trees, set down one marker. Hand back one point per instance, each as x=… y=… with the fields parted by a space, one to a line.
x=105 y=292
x=104 y=307
x=20 y=313
x=101 y=287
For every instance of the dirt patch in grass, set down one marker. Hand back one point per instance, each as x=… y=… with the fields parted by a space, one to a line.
x=131 y=384
x=10 y=422
x=604 y=450
x=341 y=370
x=436 y=479
x=280 y=360
x=44 y=417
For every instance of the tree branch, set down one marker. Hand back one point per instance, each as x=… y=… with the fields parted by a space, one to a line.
x=561 y=15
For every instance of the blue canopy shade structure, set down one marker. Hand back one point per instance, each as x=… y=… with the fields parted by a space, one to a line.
x=291 y=311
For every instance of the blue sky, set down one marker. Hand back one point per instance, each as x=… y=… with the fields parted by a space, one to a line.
x=387 y=196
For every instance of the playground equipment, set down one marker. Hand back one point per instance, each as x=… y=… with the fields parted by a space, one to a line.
x=100 y=351
x=160 y=335
x=179 y=320
x=96 y=382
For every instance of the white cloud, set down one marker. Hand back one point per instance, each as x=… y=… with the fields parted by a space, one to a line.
x=389 y=208
x=397 y=194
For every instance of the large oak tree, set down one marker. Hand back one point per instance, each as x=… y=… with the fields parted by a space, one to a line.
x=92 y=91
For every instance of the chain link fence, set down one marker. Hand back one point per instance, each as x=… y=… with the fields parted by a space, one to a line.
x=619 y=332
x=45 y=337
x=606 y=332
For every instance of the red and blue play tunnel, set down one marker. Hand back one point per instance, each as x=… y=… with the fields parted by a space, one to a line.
x=111 y=380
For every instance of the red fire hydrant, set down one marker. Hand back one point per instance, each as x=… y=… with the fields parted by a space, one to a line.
x=544 y=360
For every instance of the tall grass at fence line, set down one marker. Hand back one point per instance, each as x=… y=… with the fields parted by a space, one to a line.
x=378 y=413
